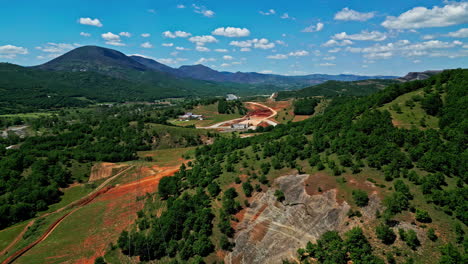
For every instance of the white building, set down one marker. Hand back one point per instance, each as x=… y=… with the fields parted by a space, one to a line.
x=231 y=97
x=190 y=116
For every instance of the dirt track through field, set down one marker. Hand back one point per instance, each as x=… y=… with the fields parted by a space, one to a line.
x=78 y=204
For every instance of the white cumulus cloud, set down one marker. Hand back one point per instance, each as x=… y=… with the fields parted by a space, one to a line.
x=146 y=35
x=167 y=44
x=90 y=22
x=202 y=49
x=146 y=45
x=299 y=53
x=364 y=35
x=347 y=14
x=314 y=28
x=202 y=40
x=112 y=39
x=125 y=34
x=10 y=51
x=333 y=42
x=176 y=34
x=231 y=32
x=84 y=34
x=205 y=60
x=221 y=50
x=461 y=33
x=269 y=12
x=277 y=57
x=203 y=10
x=422 y=17
x=227 y=57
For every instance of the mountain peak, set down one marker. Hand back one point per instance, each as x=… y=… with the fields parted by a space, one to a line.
x=92 y=58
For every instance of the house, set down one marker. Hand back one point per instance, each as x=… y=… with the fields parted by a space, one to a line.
x=231 y=97
x=239 y=126
x=190 y=116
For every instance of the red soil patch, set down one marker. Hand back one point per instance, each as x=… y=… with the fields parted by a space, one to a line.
x=263 y=124
x=259 y=212
x=121 y=209
x=258 y=111
x=259 y=231
x=320 y=180
x=240 y=216
x=299 y=118
x=279 y=105
x=364 y=185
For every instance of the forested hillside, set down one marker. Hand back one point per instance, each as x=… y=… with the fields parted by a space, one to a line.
x=33 y=173
x=338 y=88
x=422 y=173
x=29 y=89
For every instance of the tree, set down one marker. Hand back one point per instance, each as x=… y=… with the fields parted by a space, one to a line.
x=432 y=104
x=99 y=260
x=431 y=234
x=385 y=233
x=360 y=198
x=422 y=216
x=248 y=188
x=411 y=239
x=450 y=255
x=279 y=194
x=214 y=189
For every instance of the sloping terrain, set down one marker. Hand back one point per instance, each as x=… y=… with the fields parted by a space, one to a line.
x=338 y=88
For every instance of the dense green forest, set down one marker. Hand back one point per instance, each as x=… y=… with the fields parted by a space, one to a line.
x=32 y=174
x=231 y=107
x=305 y=106
x=338 y=88
x=30 y=89
x=360 y=135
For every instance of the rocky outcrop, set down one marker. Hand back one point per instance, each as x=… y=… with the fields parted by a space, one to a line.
x=104 y=170
x=418 y=76
x=272 y=231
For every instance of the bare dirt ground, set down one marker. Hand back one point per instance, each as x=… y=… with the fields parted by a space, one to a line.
x=85 y=200
x=82 y=237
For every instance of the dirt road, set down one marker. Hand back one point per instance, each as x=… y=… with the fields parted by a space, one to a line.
x=81 y=202
x=252 y=118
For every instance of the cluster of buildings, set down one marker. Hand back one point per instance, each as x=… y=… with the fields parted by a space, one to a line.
x=190 y=116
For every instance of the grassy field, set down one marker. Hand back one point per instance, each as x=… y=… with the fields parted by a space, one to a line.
x=406 y=117
x=165 y=157
x=28 y=115
x=39 y=228
x=9 y=234
x=72 y=194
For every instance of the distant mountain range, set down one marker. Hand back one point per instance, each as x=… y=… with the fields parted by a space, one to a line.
x=117 y=64
x=91 y=74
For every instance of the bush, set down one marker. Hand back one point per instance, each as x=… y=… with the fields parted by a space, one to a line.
x=431 y=234
x=422 y=216
x=385 y=234
x=279 y=195
x=360 y=198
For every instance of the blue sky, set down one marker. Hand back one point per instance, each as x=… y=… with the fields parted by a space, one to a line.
x=285 y=37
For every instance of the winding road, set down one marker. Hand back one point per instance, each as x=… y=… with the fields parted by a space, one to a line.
x=253 y=120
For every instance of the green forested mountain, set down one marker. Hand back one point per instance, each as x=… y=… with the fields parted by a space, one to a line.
x=337 y=88
x=30 y=89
